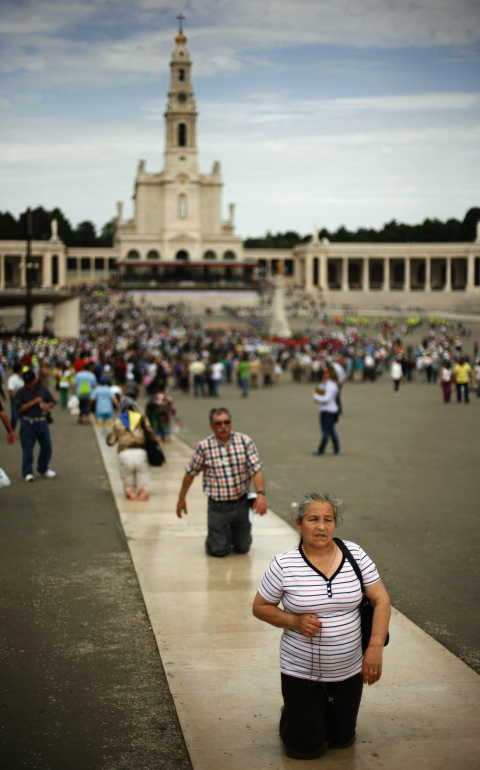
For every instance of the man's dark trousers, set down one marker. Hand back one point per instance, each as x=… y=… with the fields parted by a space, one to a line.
x=29 y=433
x=228 y=524
x=13 y=414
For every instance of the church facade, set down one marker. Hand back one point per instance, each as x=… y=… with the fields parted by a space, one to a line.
x=177 y=239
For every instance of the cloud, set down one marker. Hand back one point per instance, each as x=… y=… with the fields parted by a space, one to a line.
x=100 y=39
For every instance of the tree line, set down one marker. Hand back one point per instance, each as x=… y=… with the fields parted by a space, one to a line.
x=429 y=231
x=84 y=234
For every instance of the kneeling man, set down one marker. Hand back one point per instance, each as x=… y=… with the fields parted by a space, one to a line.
x=229 y=461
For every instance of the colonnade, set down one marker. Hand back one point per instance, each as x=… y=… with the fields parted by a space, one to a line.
x=416 y=273
x=49 y=268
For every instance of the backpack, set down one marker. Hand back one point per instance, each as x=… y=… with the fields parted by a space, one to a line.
x=84 y=389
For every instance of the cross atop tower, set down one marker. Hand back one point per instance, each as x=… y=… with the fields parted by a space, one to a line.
x=181 y=18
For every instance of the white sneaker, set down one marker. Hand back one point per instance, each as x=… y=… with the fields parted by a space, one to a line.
x=48 y=474
x=29 y=477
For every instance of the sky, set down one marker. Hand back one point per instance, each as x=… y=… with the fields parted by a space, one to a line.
x=333 y=112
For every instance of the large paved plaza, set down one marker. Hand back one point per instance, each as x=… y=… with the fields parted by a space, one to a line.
x=83 y=684
x=408 y=472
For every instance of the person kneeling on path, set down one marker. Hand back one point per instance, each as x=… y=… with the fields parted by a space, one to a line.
x=129 y=431
x=326 y=653
x=229 y=461
x=33 y=403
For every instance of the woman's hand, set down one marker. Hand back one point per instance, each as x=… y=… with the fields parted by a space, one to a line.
x=372 y=660
x=308 y=625
x=372 y=665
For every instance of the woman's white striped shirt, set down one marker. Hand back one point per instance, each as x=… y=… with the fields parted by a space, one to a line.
x=336 y=652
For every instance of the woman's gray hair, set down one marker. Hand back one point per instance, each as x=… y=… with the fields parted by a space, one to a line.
x=337 y=505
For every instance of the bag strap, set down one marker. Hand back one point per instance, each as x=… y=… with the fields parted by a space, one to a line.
x=348 y=555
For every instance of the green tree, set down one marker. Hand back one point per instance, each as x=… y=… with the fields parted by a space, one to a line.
x=85 y=234
x=106 y=236
x=9 y=228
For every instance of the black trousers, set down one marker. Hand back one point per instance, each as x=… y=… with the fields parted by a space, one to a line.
x=228 y=524
x=309 y=718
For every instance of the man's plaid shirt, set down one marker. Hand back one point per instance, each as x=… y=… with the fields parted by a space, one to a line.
x=227 y=468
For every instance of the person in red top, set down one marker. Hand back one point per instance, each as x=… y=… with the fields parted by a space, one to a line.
x=78 y=365
x=121 y=371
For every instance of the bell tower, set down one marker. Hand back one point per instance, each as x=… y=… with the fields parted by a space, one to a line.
x=181 y=114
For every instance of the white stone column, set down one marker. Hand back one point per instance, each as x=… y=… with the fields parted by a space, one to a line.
x=365 y=274
x=407 y=281
x=62 y=268
x=2 y=272
x=448 y=274
x=46 y=270
x=345 y=284
x=322 y=272
x=308 y=273
x=23 y=270
x=470 y=272
x=386 y=274
x=428 y=274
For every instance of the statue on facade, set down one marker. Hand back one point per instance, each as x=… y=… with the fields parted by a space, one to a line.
x=279 y=326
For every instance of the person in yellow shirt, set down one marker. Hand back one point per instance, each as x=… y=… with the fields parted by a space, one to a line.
x=461 y=375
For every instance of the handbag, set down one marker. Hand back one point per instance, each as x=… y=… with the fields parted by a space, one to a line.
x=155 y=454
x=365 y=606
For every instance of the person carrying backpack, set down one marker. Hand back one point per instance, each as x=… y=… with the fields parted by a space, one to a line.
x=85 y=381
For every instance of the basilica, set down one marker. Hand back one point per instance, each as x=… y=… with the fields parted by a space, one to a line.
x=178 y=240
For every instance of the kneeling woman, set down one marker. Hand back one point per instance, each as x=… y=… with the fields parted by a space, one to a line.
x=129 y=431
x=322 y=665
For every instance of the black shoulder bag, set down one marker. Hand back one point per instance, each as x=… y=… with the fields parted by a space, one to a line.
x=154 y=452
x=365 y=606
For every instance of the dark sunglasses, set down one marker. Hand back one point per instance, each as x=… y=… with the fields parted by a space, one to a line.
x=222 y=422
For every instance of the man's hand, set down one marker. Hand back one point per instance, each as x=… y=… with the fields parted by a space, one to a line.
x=11 y=438
x=181 y=506
x=308 y=625
x=260 y=505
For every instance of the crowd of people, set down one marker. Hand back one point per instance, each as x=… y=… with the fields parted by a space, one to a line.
x=132 y=345
x=128 y=349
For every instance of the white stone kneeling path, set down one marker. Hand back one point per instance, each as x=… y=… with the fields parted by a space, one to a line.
x=223 y=665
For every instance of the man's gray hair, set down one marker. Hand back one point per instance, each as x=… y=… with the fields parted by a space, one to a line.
x=337 y=505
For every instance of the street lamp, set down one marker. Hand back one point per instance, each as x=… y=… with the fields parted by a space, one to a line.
x=30 y=271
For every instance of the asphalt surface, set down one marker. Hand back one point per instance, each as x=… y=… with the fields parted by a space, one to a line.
x=81 y=682
x=408 y=472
